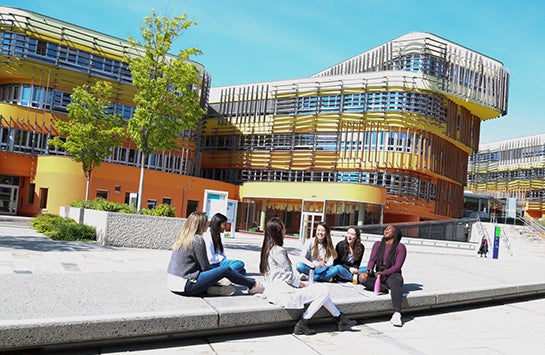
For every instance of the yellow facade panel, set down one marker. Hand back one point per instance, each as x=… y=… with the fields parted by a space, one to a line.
x=314 y=190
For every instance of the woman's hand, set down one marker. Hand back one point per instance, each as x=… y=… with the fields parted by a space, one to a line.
x=353 y=270
x=302 y=285
x=321 y=262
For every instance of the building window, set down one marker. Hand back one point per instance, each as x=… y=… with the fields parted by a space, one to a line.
x=152 y=204
x=31 y=192
x=167 y=201
x=43 y=198
x=117 y=188
x=192 y=206
x=103 y=194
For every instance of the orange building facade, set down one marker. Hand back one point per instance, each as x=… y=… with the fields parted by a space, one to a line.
x=43 y=59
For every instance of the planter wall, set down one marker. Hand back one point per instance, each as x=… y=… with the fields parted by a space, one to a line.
x=126 y=229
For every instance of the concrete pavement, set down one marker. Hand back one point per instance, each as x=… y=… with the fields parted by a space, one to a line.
x=58 y=293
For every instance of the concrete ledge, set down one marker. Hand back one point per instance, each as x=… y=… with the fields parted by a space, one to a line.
x=231 y=314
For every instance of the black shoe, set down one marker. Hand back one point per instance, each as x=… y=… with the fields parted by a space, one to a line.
x=302 y=328
x=344 y=323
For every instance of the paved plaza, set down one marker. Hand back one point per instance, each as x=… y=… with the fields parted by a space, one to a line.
x=59 y=293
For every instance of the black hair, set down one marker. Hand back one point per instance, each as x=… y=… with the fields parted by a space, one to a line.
x=215 y=231
x=391 y=254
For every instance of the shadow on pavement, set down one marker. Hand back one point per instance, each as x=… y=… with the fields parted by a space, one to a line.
x=35 y=243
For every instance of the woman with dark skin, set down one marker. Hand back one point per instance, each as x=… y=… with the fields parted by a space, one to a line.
x=386 y=260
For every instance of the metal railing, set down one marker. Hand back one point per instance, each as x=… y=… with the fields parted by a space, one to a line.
x=451 y=230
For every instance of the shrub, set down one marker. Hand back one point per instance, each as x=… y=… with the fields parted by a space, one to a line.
x=62 y=228
x=164 y=210
x=82 y=204
x=101 y=204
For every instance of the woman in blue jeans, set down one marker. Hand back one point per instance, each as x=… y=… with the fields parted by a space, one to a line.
x=189 y=272
x=318 y=251
x=214 y=245
x=349 y=255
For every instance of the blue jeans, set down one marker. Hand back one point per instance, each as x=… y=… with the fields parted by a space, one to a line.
x=236 y=265
x=210 y=277
x=305 y=269
x=328 y=272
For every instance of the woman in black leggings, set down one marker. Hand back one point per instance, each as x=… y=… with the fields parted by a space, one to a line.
x=387 y=258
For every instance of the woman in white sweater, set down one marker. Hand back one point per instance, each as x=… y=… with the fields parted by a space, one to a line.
x=283 y=288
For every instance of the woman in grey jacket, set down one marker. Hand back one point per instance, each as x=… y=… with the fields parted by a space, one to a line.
x=189 y=272
x=284 y=289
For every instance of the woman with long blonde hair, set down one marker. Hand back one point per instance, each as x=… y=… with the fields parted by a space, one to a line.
x=189 y=272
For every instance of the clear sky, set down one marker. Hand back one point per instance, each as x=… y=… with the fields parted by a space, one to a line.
x=245 y=41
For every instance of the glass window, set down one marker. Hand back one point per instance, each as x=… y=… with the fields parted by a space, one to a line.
x=31 y=192
x=43 y=197
x=102 y=193
x=151 y=204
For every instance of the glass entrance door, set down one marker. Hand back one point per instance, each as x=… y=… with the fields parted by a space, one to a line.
x=8 y=199
x=312 y=213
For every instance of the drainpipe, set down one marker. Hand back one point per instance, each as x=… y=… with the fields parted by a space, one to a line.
x=183 y=196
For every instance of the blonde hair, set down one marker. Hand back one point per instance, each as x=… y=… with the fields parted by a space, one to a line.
x=196 y=223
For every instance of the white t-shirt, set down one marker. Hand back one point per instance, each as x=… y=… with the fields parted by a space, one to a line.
x=213 y=257
x=306 y=253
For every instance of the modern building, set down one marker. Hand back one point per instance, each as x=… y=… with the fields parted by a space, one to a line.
x=41 y=60
x=403 y=117
x=511 y=169
x=381 y=137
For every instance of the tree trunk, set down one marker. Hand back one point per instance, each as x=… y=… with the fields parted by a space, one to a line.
x=141 y=184
x=87 y=184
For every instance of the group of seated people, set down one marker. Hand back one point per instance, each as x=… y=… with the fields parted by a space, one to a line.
x=199 y=266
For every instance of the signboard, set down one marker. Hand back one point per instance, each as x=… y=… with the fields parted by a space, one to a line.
x=496 y=251
x=218 y=202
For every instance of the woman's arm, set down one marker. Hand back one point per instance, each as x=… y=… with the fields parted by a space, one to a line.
x=339 y=248
x=373 y=257
x=306 y=251
x=199 y=248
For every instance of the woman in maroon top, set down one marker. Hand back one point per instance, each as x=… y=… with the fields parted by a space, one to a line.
x=387 y=258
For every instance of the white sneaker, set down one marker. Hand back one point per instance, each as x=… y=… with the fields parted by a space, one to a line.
x=396 y=320
x=224 y=282
x=217 y=290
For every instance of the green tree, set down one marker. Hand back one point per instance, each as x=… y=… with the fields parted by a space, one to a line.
x=166 y=100
x=91 y=131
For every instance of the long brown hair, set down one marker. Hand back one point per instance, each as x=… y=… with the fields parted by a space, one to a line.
x=274 y=235
x=328 y=243
x=196 y=223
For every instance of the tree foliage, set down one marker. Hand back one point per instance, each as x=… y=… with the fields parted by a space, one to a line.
x=166 y=98
x=91 y=131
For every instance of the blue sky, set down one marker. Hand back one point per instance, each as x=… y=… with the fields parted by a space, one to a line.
x=245 y=41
